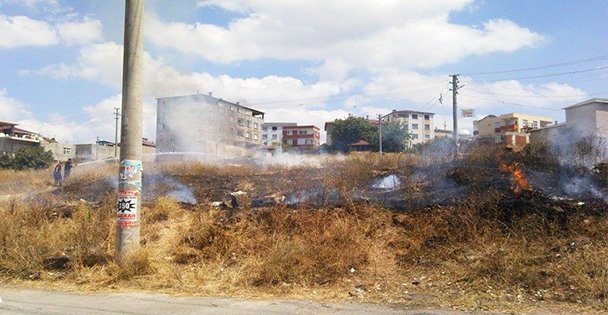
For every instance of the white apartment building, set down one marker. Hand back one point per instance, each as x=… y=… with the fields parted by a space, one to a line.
x=272 y=133
x=419 y=124
x=203 y=123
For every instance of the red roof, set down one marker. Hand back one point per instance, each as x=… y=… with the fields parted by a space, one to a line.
x=360 y=142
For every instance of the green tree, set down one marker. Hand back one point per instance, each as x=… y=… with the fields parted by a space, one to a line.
x=394 y=138
x=32 y=157
x=349 y=130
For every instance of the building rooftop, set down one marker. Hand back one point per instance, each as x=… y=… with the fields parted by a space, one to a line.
x=408 y=111
x=589 y=101
x=213 y=99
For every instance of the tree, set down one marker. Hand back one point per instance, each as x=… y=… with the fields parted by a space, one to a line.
x=394 y=138
x=32 y=157
x=349 y=130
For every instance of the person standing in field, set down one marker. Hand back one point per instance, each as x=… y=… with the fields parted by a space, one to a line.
x=57 y=174
x=67 y=169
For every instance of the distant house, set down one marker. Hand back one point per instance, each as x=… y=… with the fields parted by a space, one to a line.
x=442 y=133
x=511 y=130
x=100 y=150
x=301 y=136
x=360 y=145
x=12 y=139
x=61 y=151
x=272 y=133
x=104 y=150
x=584 y=119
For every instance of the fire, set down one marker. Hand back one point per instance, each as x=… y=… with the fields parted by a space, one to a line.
x=519 y=182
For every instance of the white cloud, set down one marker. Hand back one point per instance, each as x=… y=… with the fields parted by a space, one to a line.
x=18 y=31
x=97 y=122
x=99 y=63
x=84 y=32
x=368 y=35
x=12 y=109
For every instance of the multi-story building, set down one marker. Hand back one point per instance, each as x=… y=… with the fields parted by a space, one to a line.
x=511 y=130
x=203 y=123
x=12 y=139
x=301 y=136
x=419 y=124
x=272 y=133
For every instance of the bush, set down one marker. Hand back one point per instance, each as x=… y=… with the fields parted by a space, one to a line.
x=32 y=157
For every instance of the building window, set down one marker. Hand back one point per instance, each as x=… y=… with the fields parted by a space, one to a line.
x=274 y=137
x=264 y=137
x=414 y=116
x=295 y=132
x=303 y=132
x=255 y=136
x=427 y=136
x=415 y=126
x=415 y=137
x=427 y=117
x=402 y=115
x=535 y=124
x=239 y=121
x=524 y=122
x=67 y=151
x=427 y=127
x=255 y=125
x=274 y=128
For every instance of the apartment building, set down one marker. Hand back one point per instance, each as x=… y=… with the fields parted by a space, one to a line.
x=419 y=124
x=512 y=129
x=203 y=123
x=272 y=133
x=302 y=136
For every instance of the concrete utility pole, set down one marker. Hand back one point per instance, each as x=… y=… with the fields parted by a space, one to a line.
x=454 y=90
x=128 y=203
x=380 y=131
x=116 y=116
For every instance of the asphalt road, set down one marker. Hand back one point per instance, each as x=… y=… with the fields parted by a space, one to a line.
x=29 y=301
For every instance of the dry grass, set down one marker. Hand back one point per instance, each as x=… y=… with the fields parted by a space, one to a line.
x=463 y=253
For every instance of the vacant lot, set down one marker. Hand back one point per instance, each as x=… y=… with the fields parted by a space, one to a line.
x=492 y=231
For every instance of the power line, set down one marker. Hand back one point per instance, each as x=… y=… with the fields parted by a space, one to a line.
x=541 y=96
x=510 y=103
x=597 y=58
x=340 y=97
x=551 y=74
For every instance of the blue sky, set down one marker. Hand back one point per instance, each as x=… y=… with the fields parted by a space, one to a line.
x=303 y=61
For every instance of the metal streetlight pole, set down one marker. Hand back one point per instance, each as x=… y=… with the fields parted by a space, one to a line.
x=128 y=203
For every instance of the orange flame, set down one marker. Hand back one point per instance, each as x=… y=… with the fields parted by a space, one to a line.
x=519 y=182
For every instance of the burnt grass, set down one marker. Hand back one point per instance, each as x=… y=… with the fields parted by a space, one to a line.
x=452 y=234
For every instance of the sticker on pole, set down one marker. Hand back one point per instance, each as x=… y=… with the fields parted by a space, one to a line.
x=129 y=176
x=130 y=170
x=126 y=211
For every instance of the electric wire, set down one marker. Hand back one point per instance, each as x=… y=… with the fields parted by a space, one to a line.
x=593 y=59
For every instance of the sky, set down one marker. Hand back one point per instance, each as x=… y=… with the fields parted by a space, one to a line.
x=304 y=61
